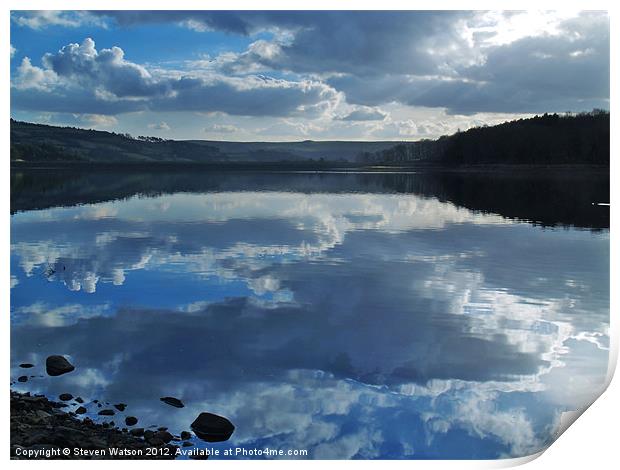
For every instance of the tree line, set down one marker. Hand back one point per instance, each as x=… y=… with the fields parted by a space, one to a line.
x=569 y=138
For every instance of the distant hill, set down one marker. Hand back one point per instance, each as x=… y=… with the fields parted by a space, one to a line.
x=42 y=143
x=343 y=151
x=38 y=142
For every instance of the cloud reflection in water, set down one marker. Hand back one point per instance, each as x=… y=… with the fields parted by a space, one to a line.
x=353 y=325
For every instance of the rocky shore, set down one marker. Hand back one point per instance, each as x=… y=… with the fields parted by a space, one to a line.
x=40 y=429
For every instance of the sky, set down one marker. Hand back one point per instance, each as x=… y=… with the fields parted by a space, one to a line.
x=297 y=75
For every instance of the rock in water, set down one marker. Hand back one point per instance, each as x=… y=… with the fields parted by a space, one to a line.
x=106 y=412
x=120 y=406
x=173 y=402
x=65 y=396
x=58 y=365
x=131 y=420
x=212 y=428
x=26 y=365
x=81 y=410
x=185 y=435
x=23 y=378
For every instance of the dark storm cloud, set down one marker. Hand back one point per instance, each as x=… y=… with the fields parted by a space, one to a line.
x=387 y=53
x=370 y=43
x=568 y=71
x=263 y=97
x=420 y=60
x=229 y=21
x=70 y=101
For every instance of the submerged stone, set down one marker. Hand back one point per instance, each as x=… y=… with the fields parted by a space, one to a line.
x=173 y=402
x=131 y=420
x=212 y=428
x=58 y=365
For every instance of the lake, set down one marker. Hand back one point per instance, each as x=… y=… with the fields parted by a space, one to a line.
x=349 y=315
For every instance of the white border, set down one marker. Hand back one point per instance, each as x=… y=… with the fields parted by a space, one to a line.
x=592 y=441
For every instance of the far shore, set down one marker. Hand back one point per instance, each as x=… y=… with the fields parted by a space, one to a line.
x=287 y=167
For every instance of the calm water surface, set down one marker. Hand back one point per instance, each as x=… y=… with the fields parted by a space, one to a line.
x=353 y=316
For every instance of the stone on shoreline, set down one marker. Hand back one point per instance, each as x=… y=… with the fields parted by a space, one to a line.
x=58 y=365
x=38 y=424
x=165 y=436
